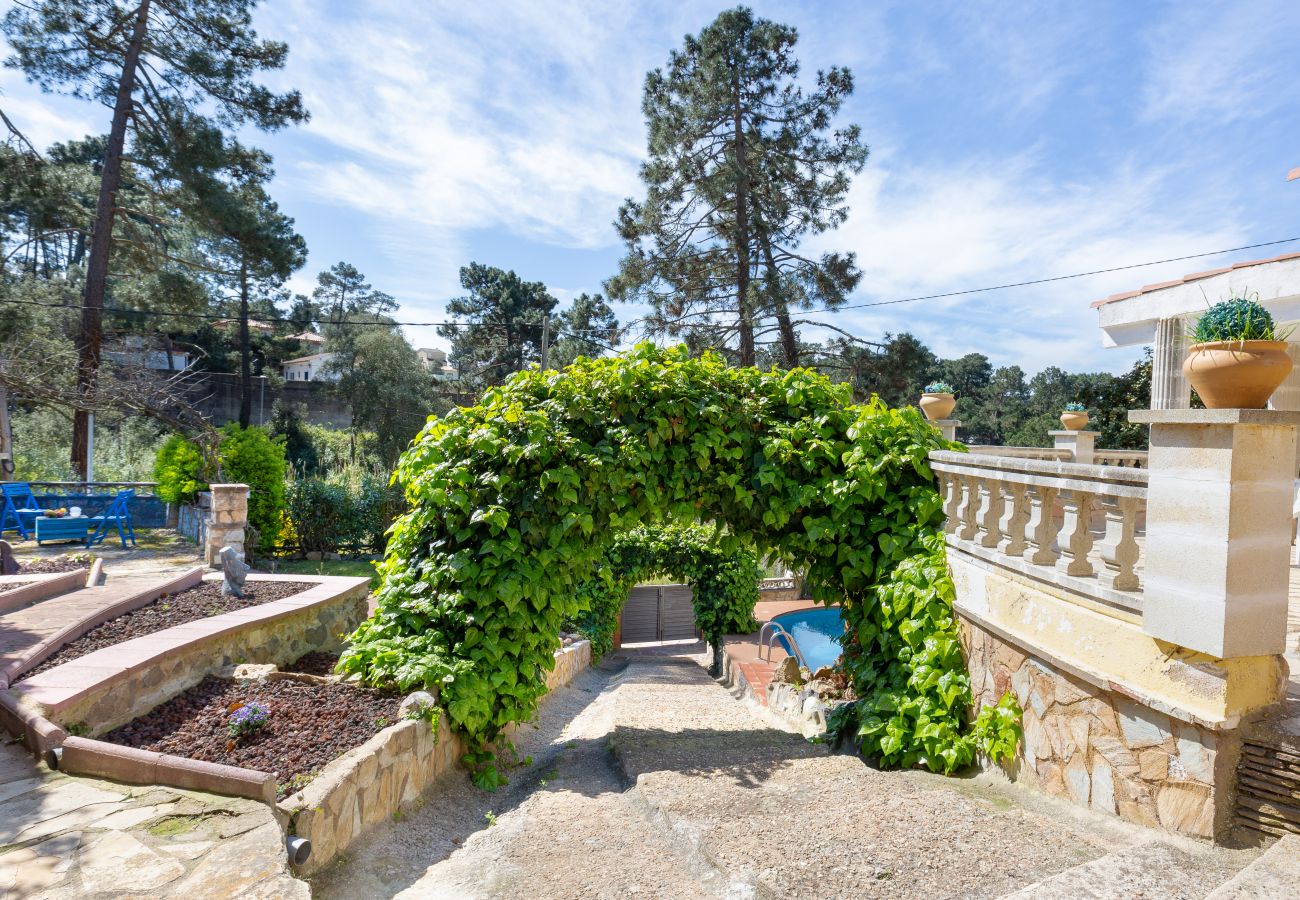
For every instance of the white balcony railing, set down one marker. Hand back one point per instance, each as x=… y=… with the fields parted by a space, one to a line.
x=1128 y=459
x=1020 y=452
x=1081 y=527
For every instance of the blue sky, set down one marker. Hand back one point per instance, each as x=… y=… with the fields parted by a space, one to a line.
x=1009 y=141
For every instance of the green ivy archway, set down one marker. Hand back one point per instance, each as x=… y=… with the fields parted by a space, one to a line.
x=515 y=501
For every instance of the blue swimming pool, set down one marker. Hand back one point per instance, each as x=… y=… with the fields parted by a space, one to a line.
x=815 y=631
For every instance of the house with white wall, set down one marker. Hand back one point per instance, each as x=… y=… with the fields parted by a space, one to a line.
x=308 y=368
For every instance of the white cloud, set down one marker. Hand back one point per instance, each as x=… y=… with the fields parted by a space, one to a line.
x=1217 y=63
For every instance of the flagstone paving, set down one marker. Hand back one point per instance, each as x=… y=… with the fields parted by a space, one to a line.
x=69 y=837
x=653 y=781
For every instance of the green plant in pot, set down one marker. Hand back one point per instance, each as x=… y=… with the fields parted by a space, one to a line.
x=1238 y=356
x=1075 y=417
x=937 y=401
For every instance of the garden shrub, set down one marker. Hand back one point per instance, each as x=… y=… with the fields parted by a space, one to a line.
x=514 y=500
x=343 y=511
x=248 y=456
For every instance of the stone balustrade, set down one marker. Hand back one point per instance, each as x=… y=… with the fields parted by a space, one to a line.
x=1080 y=527
x=1127 y=459
x=1048 y=453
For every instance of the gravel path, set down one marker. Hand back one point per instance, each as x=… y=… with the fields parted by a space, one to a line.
x=653 y=781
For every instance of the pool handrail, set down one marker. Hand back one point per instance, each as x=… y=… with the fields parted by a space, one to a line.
x=766 y=638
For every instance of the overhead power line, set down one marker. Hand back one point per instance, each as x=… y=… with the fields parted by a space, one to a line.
x=213 y=317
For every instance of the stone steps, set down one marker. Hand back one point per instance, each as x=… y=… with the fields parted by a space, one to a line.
x=1274 y=876
x=1268 y=775
x=1147 y=870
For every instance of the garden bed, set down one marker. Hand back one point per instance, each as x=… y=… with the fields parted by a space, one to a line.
x=55 y=564
x=190 y=605
x=316 y=663
x=308 y=726
x=6 y=586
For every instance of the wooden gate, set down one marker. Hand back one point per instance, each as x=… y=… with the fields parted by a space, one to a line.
x=659 y=612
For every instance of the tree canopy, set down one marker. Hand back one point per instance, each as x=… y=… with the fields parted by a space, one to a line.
x=742 y=165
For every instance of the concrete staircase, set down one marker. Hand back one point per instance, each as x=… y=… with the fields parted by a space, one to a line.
x=1147 y=870
x=1274 y=876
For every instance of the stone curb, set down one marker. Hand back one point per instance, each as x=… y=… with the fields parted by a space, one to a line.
x=86 y=756
x=38 y=734
x=43 y=588
x=36 y=654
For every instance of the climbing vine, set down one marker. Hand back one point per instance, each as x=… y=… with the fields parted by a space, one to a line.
x=515 y=501
x=721 y=569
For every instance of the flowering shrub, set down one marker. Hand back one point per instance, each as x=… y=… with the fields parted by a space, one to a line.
x=249 y=718
x=938 y=387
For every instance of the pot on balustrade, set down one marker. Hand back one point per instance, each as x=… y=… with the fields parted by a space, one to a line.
x=1072 y=420
x=937 y=406
x=1237 y=374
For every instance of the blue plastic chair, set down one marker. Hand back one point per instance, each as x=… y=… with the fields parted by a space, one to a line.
x=117 y=514
x=20 y=508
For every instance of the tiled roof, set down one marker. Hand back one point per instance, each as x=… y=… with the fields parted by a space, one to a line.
x=1195 y=276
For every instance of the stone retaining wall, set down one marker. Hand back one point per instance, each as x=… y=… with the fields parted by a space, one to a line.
x=1099 y=748
x=368 y=784
x=110 y=687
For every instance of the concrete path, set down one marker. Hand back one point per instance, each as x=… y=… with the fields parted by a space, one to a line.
x=654 y=781
x=68 y=837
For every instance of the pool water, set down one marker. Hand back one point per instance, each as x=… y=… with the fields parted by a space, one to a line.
x=815 y=631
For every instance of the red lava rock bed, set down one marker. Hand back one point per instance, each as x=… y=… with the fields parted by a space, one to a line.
x=309 y=725
x=318 y=662
x=54 y=565
x=199 y=602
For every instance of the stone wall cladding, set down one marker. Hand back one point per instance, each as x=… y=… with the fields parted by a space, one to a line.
x=178 y=658
x=1101 y=749
x=368 y=784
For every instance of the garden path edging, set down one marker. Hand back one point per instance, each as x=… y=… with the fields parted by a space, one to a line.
x=40 y=587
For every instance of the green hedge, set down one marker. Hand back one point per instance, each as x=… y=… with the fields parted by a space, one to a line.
x=341 y=513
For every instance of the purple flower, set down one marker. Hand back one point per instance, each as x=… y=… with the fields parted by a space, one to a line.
x=247 y=719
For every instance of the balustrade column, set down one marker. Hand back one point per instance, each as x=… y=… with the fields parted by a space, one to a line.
x=990 y=514
x=969 y=505
x=1015 y=517
x=1119 y=548
x=951 y=486
x=1042 y=501
x=1075 y=539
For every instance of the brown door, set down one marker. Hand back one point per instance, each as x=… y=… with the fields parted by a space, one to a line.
x=658 y=613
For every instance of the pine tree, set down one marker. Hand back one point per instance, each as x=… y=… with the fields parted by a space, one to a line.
x=741 y=166
x=505 y=331
x=177 y=75
x=342 y=292
x=588 y=327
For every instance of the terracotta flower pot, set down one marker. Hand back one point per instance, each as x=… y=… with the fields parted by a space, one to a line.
x=937 y=406
x=1237 y=374
x=1074 y=421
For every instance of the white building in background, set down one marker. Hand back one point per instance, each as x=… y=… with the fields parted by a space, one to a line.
x=131 y=350
x=435 y=363
x=308 y=368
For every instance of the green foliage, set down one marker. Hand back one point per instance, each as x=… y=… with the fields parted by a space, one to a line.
x=721 y=569
x=1236 y=319
x=249 y=456
x=125 y=447
x=505 y=331
x=514 y=500
x=1075 y=406
x=348 y=510
x=938 y=387
x=997 y=730
x=179 y=470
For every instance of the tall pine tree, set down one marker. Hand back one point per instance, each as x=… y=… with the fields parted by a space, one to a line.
x=177 y=75
x=742 y=165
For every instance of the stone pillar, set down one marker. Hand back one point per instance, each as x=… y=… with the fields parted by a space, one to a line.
x=1081 y=444
x=1169 y=389
x=1219 y=528
x=1287 y=396
x=947 y=428
x=226 y=521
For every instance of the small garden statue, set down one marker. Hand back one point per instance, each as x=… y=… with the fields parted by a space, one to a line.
x=8 y=565
x=235 y=571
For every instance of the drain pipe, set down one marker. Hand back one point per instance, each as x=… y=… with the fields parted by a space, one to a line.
x=299 y=849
